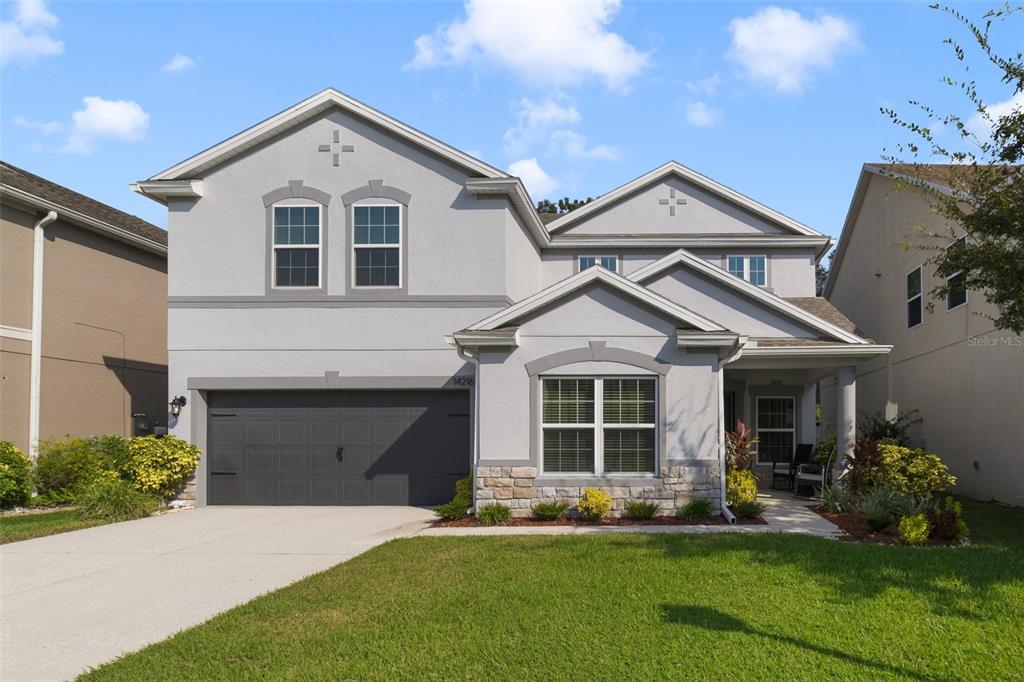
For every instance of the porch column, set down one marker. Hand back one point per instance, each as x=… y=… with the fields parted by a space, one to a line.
x=846 y=411
x=809 y=413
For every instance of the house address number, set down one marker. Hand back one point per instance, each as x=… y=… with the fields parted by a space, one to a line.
x=462 y=381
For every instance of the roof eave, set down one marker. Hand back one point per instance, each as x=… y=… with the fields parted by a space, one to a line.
x=514 y=189
x=163 y=191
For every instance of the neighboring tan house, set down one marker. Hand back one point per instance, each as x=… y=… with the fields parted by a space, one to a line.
x=83 y=331
x=362 y=314
x=964 y=378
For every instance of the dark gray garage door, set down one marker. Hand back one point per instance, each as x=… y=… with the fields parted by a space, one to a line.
x=337 y=447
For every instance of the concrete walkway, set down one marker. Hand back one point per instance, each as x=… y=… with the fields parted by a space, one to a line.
x=72 y=601
x=782 y=514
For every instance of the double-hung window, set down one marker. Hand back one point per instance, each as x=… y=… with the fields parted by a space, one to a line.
x=599 y=425
x=956 y=292
x=606 y=262
x=297 y=241
x=754 y=269
x=776 y=429
x=377 y=246
x=915 y=299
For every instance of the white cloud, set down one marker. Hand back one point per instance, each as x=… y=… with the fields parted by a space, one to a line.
x=44 y=127
x=26 y=37
x=702 y=115
x=708 y=86
x=538 y=183
x=982 y=127
x=103 y=118
x=574 y=145
x=781 y=48
x=556 y=43
x=178 y=62
x=534 y=120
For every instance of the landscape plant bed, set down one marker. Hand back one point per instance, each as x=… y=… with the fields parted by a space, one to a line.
x=855 y=529
x=716 y=520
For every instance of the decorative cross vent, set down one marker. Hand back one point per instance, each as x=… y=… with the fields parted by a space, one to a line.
x=672 y=202
x=336 y=156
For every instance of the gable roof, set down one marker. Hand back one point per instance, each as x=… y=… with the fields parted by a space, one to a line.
x=792 y=310
x=689 y=175
x=569 y=285
x=324 y=100
x=28 y=188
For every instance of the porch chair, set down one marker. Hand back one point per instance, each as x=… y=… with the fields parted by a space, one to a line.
x=787 y=471
x=811 y=475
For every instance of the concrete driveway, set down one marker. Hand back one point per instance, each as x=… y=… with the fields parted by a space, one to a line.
x=76 y=600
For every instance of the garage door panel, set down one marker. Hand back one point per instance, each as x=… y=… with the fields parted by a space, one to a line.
x=400 y=447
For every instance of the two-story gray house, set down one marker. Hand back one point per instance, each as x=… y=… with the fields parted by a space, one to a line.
x=361 y=314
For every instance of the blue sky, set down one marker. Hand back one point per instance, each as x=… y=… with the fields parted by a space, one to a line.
x=779 y=101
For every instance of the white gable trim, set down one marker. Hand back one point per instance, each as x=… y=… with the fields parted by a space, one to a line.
x=615 y=281
x=682 y=257
x=306 y=109
x=690 y=175
x=515 y=191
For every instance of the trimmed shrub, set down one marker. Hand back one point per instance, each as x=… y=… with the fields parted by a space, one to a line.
x=66 y=465
x=114 y=500
x=697 y=509
x=460 y=504
x=945 y=521
x=15 y=476
x=641 y=509
x=913 y=472
x=549 y=511
x=740 y=486
x=914 y=529
x=493 y=513
x=160 y=466
x=747 y=509
x=836 y=498
x=594 y=504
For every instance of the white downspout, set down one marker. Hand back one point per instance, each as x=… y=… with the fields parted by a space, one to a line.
x=36 y=362
x=734 y=355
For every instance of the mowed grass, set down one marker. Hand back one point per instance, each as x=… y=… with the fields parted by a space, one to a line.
x=625 y=606
x=15 y=527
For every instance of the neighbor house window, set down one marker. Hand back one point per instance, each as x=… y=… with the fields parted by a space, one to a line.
x=776 y=429
x=915 y=300
x=956 y=295
x=599 y=425
x=754 y=269
x=377 y=246
x=606 y=262
x=297 y=246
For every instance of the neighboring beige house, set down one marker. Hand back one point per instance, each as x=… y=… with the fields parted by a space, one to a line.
x=965 y=378
x=83 y=326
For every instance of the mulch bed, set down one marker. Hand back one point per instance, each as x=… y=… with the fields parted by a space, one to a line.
x=716 y=520
x=855 y=529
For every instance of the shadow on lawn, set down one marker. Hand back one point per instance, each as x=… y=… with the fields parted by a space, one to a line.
x=712 y=619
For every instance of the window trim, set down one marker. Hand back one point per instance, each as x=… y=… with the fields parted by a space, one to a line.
x=400 y=246
x=919 y=296
x=956 y=274
x=746 y=267
x=597 y=264
x=598 y=426
x=274 y=246
x=757 y=425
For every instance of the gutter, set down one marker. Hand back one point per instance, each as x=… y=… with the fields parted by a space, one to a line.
x=36 y=362
x=737 y=351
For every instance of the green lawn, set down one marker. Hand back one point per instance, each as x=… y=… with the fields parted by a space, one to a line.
x=26 y=526
x=617 y=607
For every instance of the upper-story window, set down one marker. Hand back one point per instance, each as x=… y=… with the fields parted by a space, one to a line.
x=606 y=262
x=956 y=294
x=377 y=245
x=297 y=246
x=915 y=299
x=754 y=269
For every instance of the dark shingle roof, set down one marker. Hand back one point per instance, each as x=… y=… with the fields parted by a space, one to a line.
x=548 y=217
x=821 y=307
x=15 y=177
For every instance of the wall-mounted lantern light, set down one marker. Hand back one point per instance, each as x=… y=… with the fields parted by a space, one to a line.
x=176 y=405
